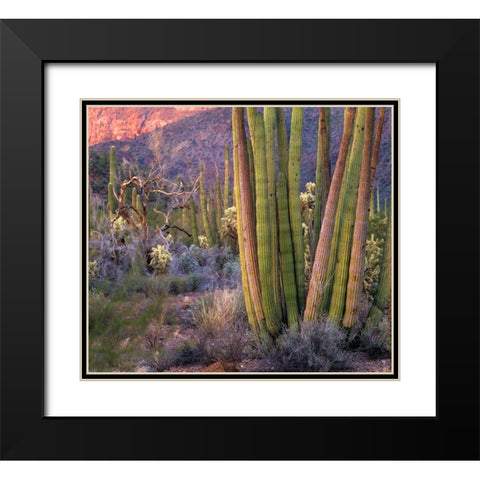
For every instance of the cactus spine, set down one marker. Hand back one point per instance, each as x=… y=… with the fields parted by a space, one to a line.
x=226 y=188
x=322 y=176
x=286 y=253
x=357 y=260
x=322 y=253
x=247 y=227
x=263 y=220
x=203 y=207
x=337 y=302
x=294 y=201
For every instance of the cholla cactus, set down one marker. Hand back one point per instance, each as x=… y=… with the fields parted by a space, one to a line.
x=373 y=259
x=203 y=241
x=93 y=270
x=160 y=259
x=120 y=227
x=228 y=224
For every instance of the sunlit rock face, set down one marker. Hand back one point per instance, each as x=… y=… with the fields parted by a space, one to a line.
x=107 y=123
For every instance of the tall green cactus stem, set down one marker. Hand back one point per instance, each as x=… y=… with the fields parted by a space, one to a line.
x=322 y=175
x=286 y=253
x=263 y=224
x=212 y=209
x=282 y=142
x=112 y=202
x=337 y=302
x=379 y=212
x=383 y=293
x=113 y=167
x=139 y=207
x=246 y=226
x=269 y=114
x=193 y=222
x=203 y=207
x=376 y=149
x=293 y=180
x=226 y=188
x=371 y=210
x=320 y=264
x=332 y=261
x=357 y=257
x=218 y=206
x=251 y=169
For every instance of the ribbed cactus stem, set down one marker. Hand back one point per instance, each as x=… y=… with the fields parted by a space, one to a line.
x=112 y=202
x=113 y=167
x=270 y=123
x=337 y=302
x=320 y=264
x=246 y=227
x=383 y=293
x=293 y=180
x=251 y=169
x=193 y=222
x=282 y=142
x=263 y=223
x=218 y=206
x=226 y=188
x=376 y=149
x=286 y=253
x=322 y=175
x=357 y=257
x=212 y=209
x=112 y=185
x=203 y=207
x=379 y=212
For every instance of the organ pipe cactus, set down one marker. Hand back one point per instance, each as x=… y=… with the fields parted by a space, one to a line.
x=246 y=225
x=218 y=204
x=226 y=188
x=203 y=207
x=322 y=177
x=357 y=257
x=263 y=221
x=270 y=123
x=295 y=215
x=286 y=253
x=337 y=303
x=112 y=185
x=193 y=221
x=320 y=264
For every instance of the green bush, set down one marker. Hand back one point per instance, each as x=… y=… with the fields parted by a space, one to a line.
x=188 y=264
x=160 y=259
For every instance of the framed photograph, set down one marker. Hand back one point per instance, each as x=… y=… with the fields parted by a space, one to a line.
x=215 y=229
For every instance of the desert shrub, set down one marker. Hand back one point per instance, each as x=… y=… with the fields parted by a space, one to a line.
x=135 y=282
x=177 y=285
x=197 y=254
x=188 y=264
x=316 y=347
x=160 y=259
x=222 y=327
x=193 y=282
x=377 y=341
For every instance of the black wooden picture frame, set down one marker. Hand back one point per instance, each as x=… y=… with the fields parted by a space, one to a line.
x=28 y=45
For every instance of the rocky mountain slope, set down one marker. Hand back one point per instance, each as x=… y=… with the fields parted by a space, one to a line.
x=201 y=137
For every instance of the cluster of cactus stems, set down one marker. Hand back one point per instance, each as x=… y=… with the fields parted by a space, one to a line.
x=271 y=240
